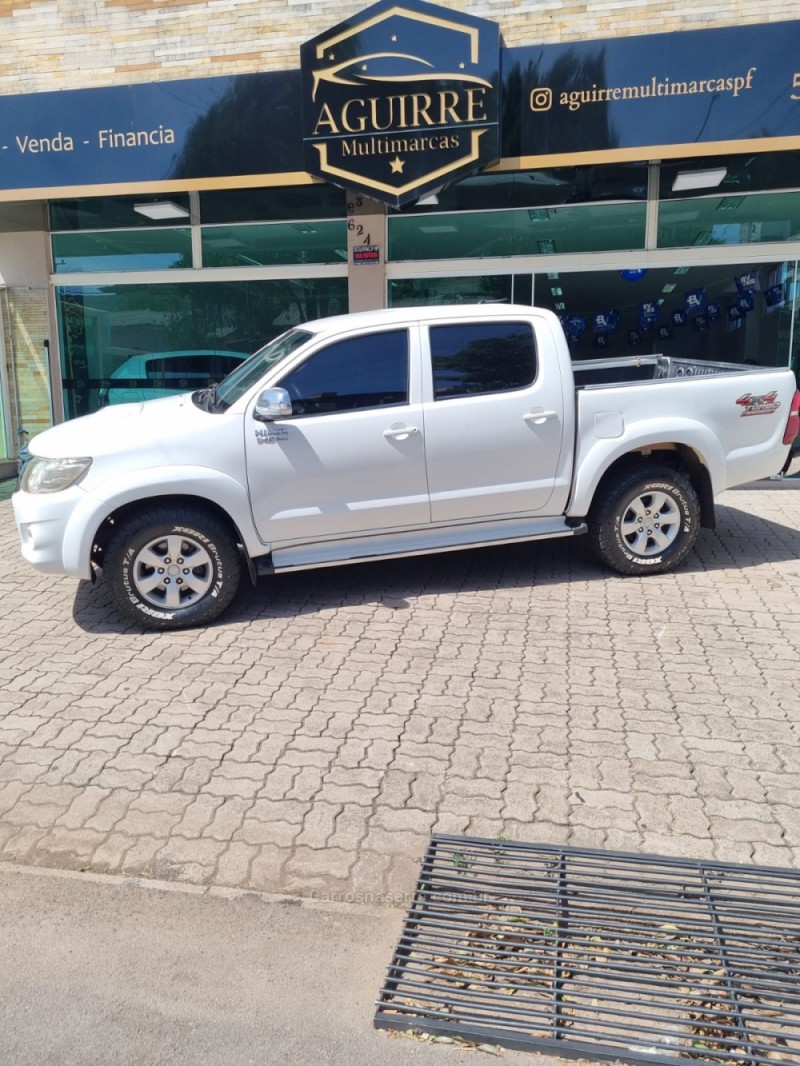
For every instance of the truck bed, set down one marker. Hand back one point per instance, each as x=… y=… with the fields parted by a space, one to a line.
x=640 y=368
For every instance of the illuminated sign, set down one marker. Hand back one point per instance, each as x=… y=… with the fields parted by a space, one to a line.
x=401 y=99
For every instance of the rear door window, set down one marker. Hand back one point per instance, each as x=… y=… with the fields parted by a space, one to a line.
x=475 y=358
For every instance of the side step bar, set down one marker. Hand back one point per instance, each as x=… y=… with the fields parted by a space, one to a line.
x=418 y=542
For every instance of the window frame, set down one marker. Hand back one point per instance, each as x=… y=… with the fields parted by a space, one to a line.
x=493 y=323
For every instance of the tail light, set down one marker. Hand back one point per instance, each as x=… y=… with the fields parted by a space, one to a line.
x=793 y=425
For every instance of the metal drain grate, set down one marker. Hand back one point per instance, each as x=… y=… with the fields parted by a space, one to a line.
x=599 y=955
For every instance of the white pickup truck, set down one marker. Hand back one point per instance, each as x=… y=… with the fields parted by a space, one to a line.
x=391 y=433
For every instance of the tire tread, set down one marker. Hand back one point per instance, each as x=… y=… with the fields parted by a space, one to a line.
x=151 y=518
x=605 y=508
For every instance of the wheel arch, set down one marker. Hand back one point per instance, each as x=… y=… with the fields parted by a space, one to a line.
x=679 y=457
x=132 y=508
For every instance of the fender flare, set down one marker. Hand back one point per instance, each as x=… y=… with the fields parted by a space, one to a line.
x=203 y=483
x=603 y=453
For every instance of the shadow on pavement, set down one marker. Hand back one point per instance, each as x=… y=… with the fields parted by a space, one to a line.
x=740 y=541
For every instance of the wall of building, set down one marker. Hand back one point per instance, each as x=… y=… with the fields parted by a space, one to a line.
x=68 y=44
x=24 y=318
x=52 y=45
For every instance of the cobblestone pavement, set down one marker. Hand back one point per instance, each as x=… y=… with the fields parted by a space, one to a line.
x=311 y=741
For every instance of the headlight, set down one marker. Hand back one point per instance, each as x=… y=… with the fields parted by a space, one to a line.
x=52 y=475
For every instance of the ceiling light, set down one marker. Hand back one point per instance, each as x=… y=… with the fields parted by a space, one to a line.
x=669 y=288
x=681 y=270
x=223 y=243
x=161 y=209
x=547 y=247
x=730 y=203
x=539 y=214
x=698 y=179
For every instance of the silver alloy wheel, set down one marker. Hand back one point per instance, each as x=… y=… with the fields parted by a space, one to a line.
x=651 y=523
x=172 y=571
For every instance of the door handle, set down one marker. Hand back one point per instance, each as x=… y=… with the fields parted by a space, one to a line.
x=400 y=432
x=538 y=418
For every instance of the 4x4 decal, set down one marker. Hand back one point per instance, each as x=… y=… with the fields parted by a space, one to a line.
x=758 y=405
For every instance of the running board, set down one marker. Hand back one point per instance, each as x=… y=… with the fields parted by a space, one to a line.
x=416 y=542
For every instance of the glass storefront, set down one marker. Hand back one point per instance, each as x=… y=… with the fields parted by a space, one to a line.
x=3 y=438
x=525 y=231
x=123 y=340
x=461 y=288
x=695 y=312
x=228 y=270
x=131 y=342
x=144 y=249
x=548 y=212
x=561 y=231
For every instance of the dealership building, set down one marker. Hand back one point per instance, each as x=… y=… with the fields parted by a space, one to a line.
x=182 y=181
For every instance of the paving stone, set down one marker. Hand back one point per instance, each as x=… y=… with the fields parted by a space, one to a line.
x=111 y=810
x=84 y=804
x=278 y=833
x=188 y=860
x=266 y=869
x=234 y=864
x=310 y=864
x=10 y=792
x=108 y=856
x=318 y=825
x=67 y=848
x=139 y=860
x=317 y=745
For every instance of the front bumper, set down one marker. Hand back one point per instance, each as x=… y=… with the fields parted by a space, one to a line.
x=56 y=530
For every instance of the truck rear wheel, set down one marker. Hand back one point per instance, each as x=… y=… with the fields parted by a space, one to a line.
x=646 y=521
x=169 y=568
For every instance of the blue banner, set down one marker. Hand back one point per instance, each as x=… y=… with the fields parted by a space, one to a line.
x=774 y=296
x=708 y=91
x=702 y=89
x=749 y=282
x=173 y=131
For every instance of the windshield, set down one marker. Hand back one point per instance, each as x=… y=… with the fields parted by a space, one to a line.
x=236 y=384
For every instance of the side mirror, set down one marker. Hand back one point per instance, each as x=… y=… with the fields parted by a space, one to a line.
x=272 y=404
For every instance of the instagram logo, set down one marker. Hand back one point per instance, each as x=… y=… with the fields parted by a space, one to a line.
x=541 y=99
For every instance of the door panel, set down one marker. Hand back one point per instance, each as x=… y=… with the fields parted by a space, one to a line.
x=351 y=459
x=493 y=423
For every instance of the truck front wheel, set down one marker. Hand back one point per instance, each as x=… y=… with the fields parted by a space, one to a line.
x=169 y=568
x=646 y=521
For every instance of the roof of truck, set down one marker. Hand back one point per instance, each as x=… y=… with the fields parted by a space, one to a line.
x=445 y=312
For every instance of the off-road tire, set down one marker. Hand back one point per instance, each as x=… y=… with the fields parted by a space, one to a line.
x=168 y=568
x=645 y=521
